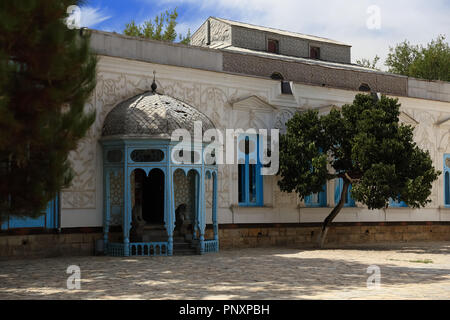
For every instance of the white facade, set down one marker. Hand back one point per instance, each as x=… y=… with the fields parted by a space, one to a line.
x=238 y=101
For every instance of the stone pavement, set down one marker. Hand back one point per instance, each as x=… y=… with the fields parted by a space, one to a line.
x=408 y=271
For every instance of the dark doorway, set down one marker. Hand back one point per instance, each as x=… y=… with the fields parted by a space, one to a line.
x=150 y=190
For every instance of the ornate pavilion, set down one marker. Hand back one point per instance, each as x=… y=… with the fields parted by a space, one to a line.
x=159 y=203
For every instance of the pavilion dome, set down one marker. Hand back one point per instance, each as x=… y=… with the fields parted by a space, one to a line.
x=152 y=115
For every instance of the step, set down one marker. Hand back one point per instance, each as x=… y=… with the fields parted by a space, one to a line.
x=185 y=252
x=181 y=247
x=180 y=240
x=154 y=227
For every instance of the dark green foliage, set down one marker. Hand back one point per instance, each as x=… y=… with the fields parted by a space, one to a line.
x=431 y=62
x=364 y=144
x=47 y=74
x=162 y=28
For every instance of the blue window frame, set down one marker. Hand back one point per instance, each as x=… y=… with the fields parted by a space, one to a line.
x=249 y=171
x=447 y=180
x=396 y=203
x=339 y=183
x=317 y=199
x=49 y=220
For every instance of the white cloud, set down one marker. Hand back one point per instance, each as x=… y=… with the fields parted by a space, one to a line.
x=91 y=16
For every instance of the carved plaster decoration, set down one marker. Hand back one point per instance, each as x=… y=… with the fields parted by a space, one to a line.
x=407 y=119
x=443 y=127
x=282 y=117
x=253 y=112
x=326 y=110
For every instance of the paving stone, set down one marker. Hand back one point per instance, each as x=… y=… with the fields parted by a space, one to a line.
x=255 y=273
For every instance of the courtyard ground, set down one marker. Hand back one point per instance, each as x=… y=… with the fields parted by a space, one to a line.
x=407 y=271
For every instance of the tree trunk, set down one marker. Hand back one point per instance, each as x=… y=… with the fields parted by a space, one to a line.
x=333 y=214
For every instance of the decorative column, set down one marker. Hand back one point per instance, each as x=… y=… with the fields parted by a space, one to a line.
x=127 y=214
x=214 y=210
x=196 y=205
x=201 y=210
x=170 y=212
x=107 y=210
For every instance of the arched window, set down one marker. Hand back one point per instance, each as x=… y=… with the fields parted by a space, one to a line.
x=339 y=183
x=364 y=87
x=396 y=203
x=317 y=199
x=277 y=76
x=249 y=171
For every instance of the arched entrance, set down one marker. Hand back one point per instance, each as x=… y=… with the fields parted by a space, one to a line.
x=149 y=193
x=140 y=188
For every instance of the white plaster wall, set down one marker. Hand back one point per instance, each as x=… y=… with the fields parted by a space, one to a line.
x=436 y=90
x=92 y=214
x=233 y=101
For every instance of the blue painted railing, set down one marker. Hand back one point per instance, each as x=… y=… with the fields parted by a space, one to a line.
x=154 y=248
x=149 y=248
x=211 y=246
x=115 y=249
x=138 y=249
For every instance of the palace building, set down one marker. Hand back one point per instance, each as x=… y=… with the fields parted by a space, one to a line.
x=130 y=197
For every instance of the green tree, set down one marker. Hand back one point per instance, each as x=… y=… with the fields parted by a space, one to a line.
x=187 y=38
x=364 y=144
x=431 y=62
x=47 y=74
x=369 y=64
x=162 y=28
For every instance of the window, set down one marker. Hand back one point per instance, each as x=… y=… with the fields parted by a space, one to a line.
x=286 y=87
x=349 y=202
x=249 y=171
x=314 y=52
x=364 y=87
x=48 y=220
x=396 y=203
x=147 y=155
x=317 y=199
x=272 y=46
x=447 y=179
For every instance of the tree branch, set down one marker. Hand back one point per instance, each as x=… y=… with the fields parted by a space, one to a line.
x=328 y=220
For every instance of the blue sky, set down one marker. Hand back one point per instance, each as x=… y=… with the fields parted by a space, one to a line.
x=418 y=21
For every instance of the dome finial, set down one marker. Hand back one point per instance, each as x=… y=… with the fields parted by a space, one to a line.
x=154 y=86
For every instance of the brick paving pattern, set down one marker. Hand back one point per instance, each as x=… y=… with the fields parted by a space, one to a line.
x=408 y=271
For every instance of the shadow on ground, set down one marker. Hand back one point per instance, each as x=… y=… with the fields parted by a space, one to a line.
x=271 y=273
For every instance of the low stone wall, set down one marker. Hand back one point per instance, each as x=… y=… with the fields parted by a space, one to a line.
x=241 y=236
x=48 y=245
x=82 y=242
